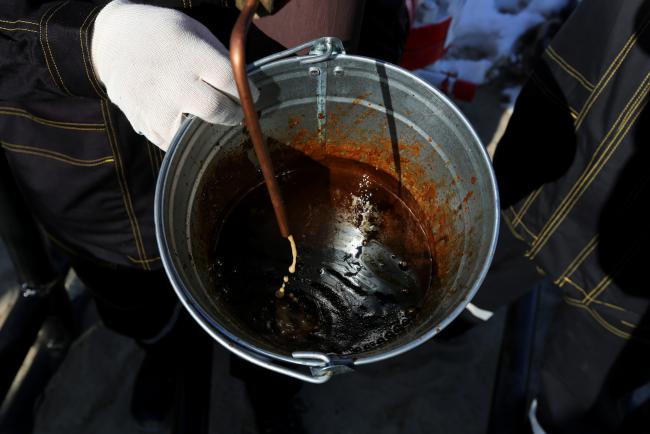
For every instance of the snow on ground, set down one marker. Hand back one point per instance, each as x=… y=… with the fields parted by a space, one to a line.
x=482 y=34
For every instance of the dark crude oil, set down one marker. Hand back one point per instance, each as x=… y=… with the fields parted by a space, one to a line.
x=364 y=260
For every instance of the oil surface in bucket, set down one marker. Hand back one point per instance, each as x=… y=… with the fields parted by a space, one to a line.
x=364 y=262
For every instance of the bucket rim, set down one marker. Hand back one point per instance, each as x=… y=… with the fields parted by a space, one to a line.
x=240 y=346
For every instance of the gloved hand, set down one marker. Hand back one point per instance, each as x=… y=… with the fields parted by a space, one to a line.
x=157 y=64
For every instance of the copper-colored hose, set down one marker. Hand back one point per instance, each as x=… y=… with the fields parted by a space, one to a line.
x=238 y=60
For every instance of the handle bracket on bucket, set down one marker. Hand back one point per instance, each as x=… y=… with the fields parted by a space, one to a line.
x=320 y=50
x=320 y=364
x=321 y=367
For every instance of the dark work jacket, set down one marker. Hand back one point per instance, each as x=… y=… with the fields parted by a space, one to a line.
x=86 y=175
x=573 y=166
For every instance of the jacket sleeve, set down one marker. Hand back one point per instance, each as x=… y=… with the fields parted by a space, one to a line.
x=45 y=46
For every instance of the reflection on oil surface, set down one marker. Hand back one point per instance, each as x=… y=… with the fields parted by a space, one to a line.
x=363 y=268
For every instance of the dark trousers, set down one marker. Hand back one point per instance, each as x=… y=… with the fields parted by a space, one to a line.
x=135 y=303
x=591 y=380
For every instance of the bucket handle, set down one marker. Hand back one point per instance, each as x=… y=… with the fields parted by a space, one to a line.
x=320 y=50
x=321 y=367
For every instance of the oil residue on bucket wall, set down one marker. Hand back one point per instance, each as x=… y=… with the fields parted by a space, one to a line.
x=364 y=267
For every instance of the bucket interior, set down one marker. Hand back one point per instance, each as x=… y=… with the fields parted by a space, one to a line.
x=373 y=114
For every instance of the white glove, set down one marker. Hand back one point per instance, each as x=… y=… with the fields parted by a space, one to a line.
x=157 y=64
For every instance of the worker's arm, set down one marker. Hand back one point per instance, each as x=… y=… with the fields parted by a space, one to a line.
x=154 y=62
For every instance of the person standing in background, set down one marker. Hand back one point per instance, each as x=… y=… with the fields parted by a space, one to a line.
x=573 y=180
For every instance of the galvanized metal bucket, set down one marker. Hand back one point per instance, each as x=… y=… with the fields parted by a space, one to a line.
x=334 y=104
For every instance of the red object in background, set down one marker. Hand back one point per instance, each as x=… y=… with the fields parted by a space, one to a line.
x=465 y=90
x=460 y=89
x=424 y=45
